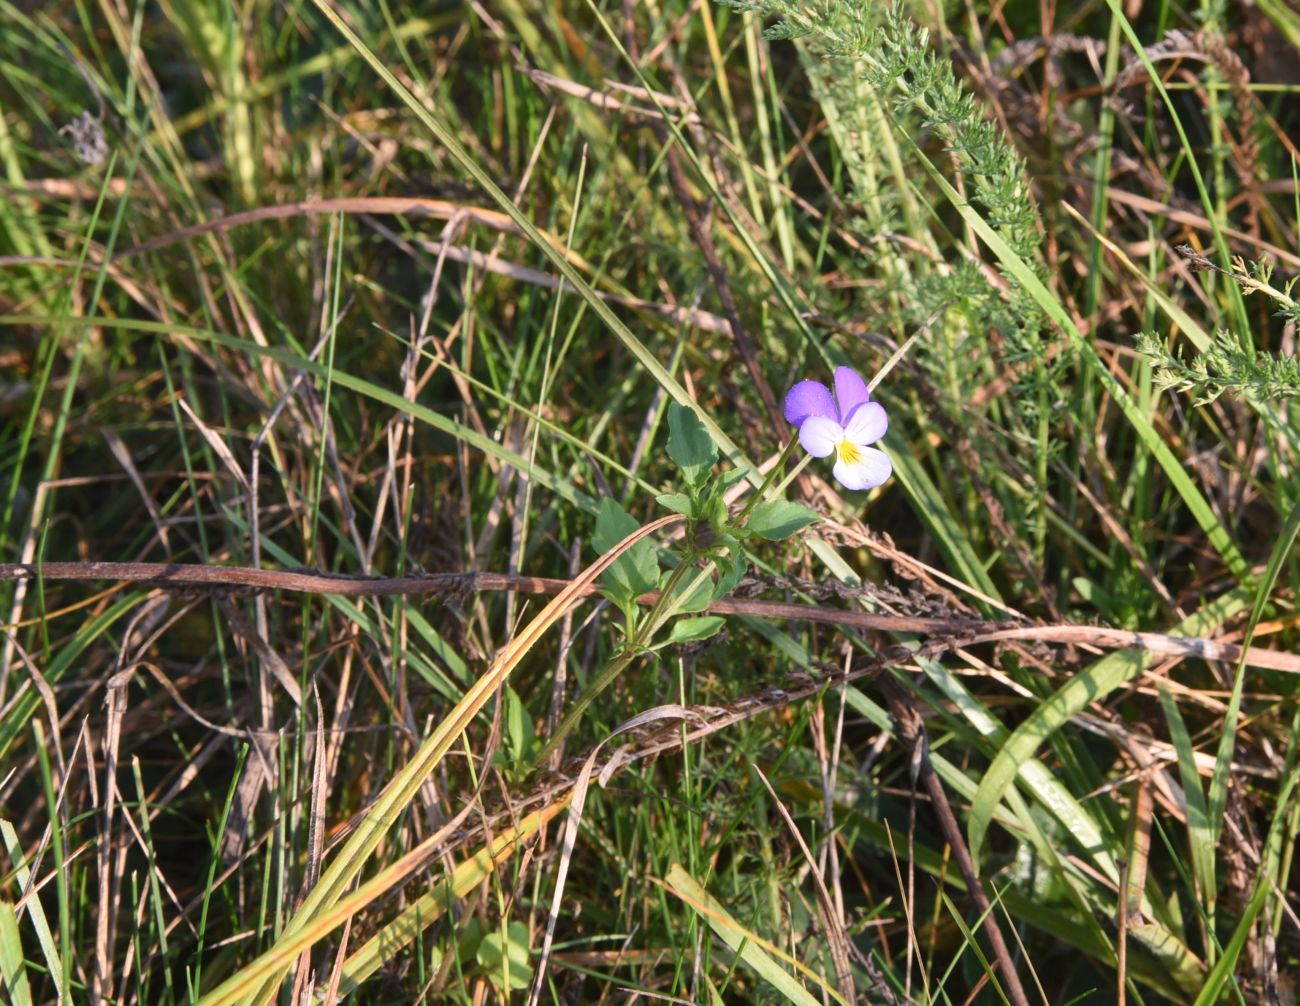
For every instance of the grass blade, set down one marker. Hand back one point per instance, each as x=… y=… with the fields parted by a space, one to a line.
x=261 y=978
x=1092 y=685
x=755 y=951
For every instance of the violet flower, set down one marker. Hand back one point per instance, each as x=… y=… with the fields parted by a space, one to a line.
x=843 y=424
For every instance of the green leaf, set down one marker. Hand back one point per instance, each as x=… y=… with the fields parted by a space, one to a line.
x=692 y=593
x=520 y=736
x=467 y=941
x=636 y=571
x=692 y=630
x=513 y=951
x=714 y=510
x=731 y=567
x=778 y=519
x=689 y=444
x=677 y=503
x=729 y=479
x=613 y=524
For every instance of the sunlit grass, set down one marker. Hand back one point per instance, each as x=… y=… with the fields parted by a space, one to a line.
x=553 y=233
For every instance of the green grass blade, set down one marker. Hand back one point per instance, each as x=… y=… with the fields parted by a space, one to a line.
x=752 y=949
x=1221 y=974
x=554 y=255
x=260 y=979
x=1200 y=836
x=15 y=721
x=35 y=910
x=13 y=969
x=381 y=948
x=1091 y=685
x=296 y=361
x=1282 y=553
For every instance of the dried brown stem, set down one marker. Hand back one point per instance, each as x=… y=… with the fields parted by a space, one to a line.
x=954 y=631
x=911 y=731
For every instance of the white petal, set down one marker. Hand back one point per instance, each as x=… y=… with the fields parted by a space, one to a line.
x=874 y=468
x=819 y=435
x=866 y=424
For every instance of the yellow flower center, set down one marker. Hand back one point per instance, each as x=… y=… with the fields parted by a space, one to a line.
x=849 y=452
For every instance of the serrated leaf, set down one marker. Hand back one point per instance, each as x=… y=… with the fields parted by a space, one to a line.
x=691 y=630
x=689 y=444
x=778 y=519
x=677 y=503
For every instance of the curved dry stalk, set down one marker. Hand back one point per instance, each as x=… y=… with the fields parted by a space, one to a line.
x=962 y=631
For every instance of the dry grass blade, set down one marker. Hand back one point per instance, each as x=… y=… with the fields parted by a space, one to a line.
x=429 y=907
x=830 y=918
x=375 y=205
x=911 y=730
x=261 y=978
x=366 y=306
x=217 y=444
x=577 y=800
x=371 y=956
x=269 y=658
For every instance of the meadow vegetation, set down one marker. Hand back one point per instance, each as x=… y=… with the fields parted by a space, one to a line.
x=412 y=587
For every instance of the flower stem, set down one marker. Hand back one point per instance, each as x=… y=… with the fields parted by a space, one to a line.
x=653 y=620
x=646 y=628
x=767 y=482
x=794 y=474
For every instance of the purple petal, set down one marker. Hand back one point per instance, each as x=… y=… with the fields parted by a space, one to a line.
x=809 y=398
x=850 y=392
x=866 y=424
x=819 y=435
x=869 y=471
